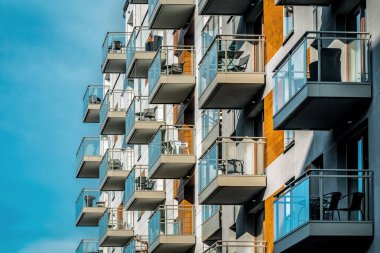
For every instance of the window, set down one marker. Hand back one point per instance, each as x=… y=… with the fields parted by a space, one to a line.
x=288 y=139
x=288 y=21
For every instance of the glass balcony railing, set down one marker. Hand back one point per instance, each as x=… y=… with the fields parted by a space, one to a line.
x=210 y=119
x=324 y=195
x=209 y=32
x=93 y=96
x=91 y=146
x=138 y=181
x=208 y=211
x=321 y=57
x=116 y=160
x=171 y=140
x=88 y=198
x=143 y=39
x=115 y=100
x=171 y=220
x=141 y=110
x=171 y=60
x=115 y=42
x=88 y=246
x=115 y=219
x=138 y=244
x=152 y=4
x=231 y=156
x=231 y=54
x=237 y=246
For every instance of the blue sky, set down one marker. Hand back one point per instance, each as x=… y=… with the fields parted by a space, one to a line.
x=50 y=50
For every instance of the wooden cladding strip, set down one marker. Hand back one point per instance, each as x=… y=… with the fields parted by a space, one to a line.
x=274 y=138
x=272 y=28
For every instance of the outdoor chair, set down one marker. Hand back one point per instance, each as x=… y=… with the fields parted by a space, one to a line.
x=355 y=205
x=332 y=205
x=241 y=66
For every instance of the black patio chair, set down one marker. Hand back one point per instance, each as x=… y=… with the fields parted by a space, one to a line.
x=355 y=205
x=241 y=66
x=331 y=206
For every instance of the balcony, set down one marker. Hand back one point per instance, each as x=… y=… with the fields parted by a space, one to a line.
x=211 y=224
x=115 y=228
x=303 y=2
x=141 y=49
x=88 y=246
x=91 y=103
x=171 y=229
x=114 y=52
x=170 y=14
x=323 y=83
x=225 y=7
x=211 y=128
x=141 y=193
x=89 y=156
x=238 y=246
x=89 y=207
x=113 y=111
x=171 y=152
x=231 y=73
x=143 y=120
x=172 y=75
x=325 y=211
x=114 y=169
x=139 y=244
x=232 y=171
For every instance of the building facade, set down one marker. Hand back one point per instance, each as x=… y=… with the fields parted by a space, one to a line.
x=235 y=126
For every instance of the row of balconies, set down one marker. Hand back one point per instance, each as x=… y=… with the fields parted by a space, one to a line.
x=169 y=228
x=230 y=169
x=140 y=244
x=173 y=14
x=323 y=83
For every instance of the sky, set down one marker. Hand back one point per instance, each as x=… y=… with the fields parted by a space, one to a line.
x=50 y=51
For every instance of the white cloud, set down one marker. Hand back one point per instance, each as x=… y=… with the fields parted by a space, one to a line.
x=49 y=246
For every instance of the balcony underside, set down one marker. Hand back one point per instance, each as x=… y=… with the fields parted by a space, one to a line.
x=172 y=89
x=114 y=123
x=172 y=166
x=172 y=243
x=89 y=168
x=114 y=63
x=232 y=190
x=145 y=200
x=138 y=1
x=323 y=106
x=212 y=229
x=224 y=7
x=90 y=216
x=303 y=2
x=232 y=90
x=331 y=236
x=116 y=238
x=143 y=131
x=92 y=114
x=171 y=14
x=140 y=64
x=114 y=180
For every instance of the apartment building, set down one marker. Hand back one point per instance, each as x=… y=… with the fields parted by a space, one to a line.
x=235 y=126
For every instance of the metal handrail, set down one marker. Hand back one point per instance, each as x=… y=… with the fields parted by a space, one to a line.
x=110 y=33
x=220 y=36
x=305 y=37
x=86 y=190
x=245 y=244
x=90 y=138
x=307 y=174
